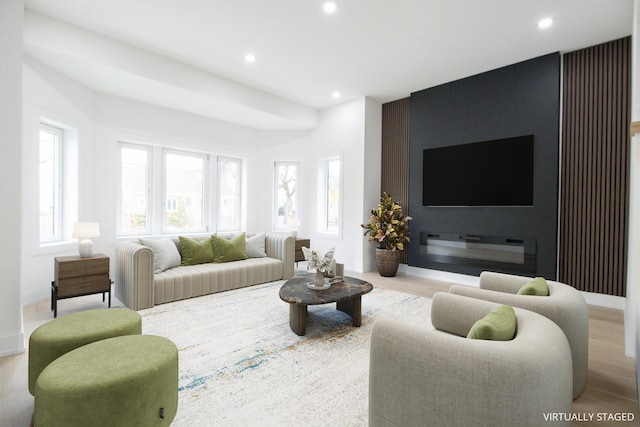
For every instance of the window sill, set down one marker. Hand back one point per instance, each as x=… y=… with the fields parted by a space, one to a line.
x=55 y=247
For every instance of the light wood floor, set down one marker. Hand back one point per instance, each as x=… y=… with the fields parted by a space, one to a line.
x=611 y=384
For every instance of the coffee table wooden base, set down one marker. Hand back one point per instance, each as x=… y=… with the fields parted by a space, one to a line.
x=298 y=318
x=346 y=294
x=298 y=314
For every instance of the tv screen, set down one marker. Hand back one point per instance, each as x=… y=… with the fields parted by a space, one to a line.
x=488 y=173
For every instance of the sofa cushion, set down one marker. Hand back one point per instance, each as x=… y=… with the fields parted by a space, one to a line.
x=196 y=252
x=203 y=279
x=228 y=250
x=538 y=286
x=165 y=253
x=255 y=247
x=498 y=325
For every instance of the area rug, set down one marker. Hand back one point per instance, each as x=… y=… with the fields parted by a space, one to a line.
x=241 y=365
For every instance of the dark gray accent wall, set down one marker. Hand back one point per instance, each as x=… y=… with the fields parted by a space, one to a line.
x=520 y=99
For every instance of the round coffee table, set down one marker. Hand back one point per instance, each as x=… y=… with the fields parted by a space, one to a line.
x=346 y=294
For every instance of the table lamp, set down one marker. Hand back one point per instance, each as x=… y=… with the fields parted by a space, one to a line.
x=84 y=231
x=294 y=223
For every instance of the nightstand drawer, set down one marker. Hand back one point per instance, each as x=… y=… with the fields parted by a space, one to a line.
x=68 y=267
x=83 y=285
x=76 y=276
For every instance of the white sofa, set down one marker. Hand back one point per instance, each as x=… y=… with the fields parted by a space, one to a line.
x=434 y=376
x=565 y=305
x=138 y=286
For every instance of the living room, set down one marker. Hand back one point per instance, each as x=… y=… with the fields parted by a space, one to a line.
x=69 y=92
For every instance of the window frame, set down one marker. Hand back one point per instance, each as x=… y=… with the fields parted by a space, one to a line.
x=58 y=189
x=276 y=188
x=238 y=196
x=149 y=189
x=322 y=223
x=157 y=200
x=164 y=229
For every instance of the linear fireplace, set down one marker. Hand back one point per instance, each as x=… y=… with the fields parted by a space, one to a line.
x=475 y=253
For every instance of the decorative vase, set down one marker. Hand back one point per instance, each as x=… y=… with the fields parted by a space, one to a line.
x=318 y=280
x=387 y=262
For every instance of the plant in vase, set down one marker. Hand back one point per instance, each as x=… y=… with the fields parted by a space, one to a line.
x=324 y=265
x=388 y=228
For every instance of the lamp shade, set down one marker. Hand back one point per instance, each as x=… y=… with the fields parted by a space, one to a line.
x=85 y=230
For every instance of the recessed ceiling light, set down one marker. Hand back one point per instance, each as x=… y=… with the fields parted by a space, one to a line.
x=545 y=23
x=330 y=7
x=336 y=94
x=250 y=58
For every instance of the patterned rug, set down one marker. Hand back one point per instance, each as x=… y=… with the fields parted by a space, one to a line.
x=241 y=365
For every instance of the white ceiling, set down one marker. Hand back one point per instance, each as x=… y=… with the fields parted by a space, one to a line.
x=384 y=49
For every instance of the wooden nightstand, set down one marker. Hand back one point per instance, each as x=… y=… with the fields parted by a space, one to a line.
x=76 y=276
x=299 y=244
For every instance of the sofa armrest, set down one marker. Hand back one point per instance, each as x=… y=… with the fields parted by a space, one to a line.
x=423 y=376
x=456 y=314
x=502 y=282
x=281 y=246
x=134 y=275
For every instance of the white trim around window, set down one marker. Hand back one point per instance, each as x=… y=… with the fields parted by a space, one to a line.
x=229 y=194
x=135 y=195
x=330 y=201
x=168 y=191
x=63 y=187
x=286 y=204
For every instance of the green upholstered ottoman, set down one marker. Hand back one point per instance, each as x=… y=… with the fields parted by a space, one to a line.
x=123 y=381
x=59 y=336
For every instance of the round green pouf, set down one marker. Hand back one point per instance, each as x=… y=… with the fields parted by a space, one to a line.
x=59 y=336
x=123 y=381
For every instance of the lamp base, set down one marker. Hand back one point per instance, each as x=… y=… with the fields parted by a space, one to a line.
x=85 y=248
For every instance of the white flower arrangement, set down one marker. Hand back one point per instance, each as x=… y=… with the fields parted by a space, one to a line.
x=316 y=261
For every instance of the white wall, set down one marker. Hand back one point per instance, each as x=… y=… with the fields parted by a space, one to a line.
x=372 y=177
x=353 y=131
x=11 y=21
x=49 y=95
x=632 y=312
x=101 y=121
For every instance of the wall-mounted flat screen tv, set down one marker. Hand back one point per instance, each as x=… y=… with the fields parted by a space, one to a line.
x=488 y=173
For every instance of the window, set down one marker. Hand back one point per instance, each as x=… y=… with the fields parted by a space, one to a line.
x=329 y=193
x=185 y=193
x=229 y=193
x=184 y=190
x=50 y=183
x=135 y=189
x=286 y=195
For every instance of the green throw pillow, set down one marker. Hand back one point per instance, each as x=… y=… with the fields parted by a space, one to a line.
x=195 y=252
x=228 y=250
x=499 y=325
x=537 y=286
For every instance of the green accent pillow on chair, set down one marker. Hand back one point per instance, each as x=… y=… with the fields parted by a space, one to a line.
x=195 y=252
x=498 y=325
x=229 y=250
x=537 y=286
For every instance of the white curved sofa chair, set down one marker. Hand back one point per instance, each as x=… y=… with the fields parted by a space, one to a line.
x=437 y=377
x=565 y=305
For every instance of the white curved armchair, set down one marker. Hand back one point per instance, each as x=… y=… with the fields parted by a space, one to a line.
x=437 y=377
x=564 y=305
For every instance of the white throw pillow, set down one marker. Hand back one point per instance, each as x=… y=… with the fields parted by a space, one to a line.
x=165 y=253
x=254 y=246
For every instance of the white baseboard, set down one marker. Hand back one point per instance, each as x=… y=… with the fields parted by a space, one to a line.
x=603 y=300
x=12 y=344
x=35 y=296
x=600 y=300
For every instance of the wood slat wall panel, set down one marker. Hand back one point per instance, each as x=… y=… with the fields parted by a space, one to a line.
x=595 y=168
x=395 y=153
